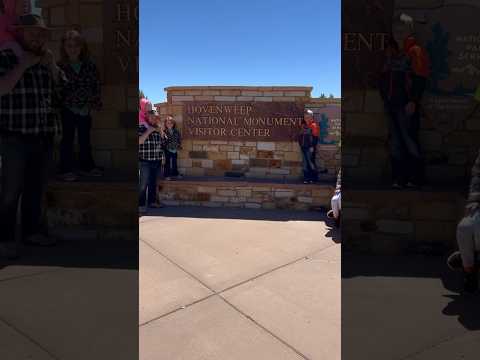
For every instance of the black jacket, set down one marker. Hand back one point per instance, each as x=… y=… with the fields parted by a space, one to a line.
x=305 y=138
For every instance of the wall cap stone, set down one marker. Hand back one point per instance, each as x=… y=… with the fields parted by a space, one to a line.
x=261 y=88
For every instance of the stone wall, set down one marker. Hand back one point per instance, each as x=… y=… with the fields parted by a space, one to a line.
x=381 y=220
x=242 y=194
x=329 y=155
x=449 y=140
x=114 y=136
x=253 y=159
x=393 y=222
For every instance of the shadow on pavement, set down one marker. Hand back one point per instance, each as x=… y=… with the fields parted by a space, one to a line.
x=84 y=253
x=238 y=213
x=248 y=214
x=465 y=307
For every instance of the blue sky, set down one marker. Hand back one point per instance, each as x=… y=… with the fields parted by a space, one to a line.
x=239 y=42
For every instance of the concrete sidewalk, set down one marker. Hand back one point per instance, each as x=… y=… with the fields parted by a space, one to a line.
x=406 y=308
x=238 y=284
x=75 y=301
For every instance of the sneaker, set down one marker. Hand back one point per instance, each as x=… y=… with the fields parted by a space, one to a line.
x=411 y=185
x=455 y=262
x=168 y=178
x=305 y=181
x=9 y=250
x=40 y=240
x=95 y=172
x=179 y=176
x=69 y=177
x=156 y=205
x=397 y=186
x=470 y=284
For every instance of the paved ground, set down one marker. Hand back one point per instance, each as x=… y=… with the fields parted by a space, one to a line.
x=406 y=308
x=218 y=284
x=76 y=301
x=238 y=284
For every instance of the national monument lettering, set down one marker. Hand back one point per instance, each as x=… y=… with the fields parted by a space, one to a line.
x=242 y=121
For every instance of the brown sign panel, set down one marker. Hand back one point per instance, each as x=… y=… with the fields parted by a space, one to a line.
x=366 y=25
x=120 y=32
x=242 y=121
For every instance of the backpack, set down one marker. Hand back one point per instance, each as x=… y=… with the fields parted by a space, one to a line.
x=419 y=59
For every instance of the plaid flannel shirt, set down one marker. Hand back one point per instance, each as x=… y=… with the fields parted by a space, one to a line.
x=151 y=149
x=32 y=105
x=83 y=88
x=174 y=140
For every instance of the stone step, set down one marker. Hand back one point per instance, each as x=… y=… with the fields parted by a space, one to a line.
x=97 y=204
x=397 y=222
x=241 y=193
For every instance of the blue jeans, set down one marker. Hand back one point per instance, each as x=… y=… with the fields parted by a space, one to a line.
x=25 y=169
x=309 y=170
x=406 y=157
x=148 y=182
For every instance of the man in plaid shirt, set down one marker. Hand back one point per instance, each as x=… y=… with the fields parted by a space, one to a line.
x=28 y=123
x=151 y=139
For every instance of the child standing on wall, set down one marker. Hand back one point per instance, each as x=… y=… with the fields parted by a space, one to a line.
x=81 y=96
x=306 y=142
x=173 y=143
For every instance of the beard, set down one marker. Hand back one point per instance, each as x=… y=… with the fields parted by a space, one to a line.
x=35 y=49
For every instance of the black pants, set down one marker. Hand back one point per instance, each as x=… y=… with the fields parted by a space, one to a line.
x=25 y=168
x=72 y=122
x=171 y=168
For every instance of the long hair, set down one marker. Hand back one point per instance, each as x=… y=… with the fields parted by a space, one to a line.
x=169 y=117
x=79 y=39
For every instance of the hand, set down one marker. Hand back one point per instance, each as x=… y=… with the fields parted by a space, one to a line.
x=49 y=58
x=311 y=149
x=471 y=209
x=410 y=108
x=29 y=59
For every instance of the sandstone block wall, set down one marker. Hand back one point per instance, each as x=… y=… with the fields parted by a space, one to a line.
x=376 y=218
x=254 y=159
x=245 y=195
x=390 y=222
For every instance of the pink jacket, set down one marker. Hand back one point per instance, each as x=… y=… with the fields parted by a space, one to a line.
x=145 y=105
x=7 y=19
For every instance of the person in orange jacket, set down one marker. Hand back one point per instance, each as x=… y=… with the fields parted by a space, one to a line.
x=312 y=124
